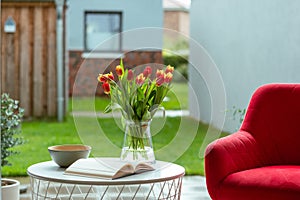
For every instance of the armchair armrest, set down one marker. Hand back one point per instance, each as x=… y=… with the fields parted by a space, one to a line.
x=227 y=155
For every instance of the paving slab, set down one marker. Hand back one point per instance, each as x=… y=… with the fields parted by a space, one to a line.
x=194 y=187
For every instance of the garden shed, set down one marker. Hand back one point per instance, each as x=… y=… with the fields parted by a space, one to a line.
x=33 y=55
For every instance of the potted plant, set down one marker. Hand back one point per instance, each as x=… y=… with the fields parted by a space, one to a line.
x=11 y=115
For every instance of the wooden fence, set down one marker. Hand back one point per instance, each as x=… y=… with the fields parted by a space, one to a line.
x=28 y=64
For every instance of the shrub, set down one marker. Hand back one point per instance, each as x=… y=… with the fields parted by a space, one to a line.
x=175 y=60
x=11 y=115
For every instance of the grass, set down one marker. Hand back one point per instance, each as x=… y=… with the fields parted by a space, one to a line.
x=175 y=139
x=177 y=99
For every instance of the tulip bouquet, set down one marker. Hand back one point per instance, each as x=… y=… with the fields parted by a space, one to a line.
x=138 y=97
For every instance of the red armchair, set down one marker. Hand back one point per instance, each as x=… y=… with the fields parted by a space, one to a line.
x=261 y=161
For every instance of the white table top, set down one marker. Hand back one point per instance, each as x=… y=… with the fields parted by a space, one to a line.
x=50 y=171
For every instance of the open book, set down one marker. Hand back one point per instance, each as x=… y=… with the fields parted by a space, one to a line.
x=105 y=168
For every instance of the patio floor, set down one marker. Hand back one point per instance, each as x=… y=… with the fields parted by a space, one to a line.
x=193 y=188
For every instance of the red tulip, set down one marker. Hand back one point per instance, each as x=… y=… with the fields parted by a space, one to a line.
x=160 y=80
x=106 y=87
x=130 y=75
x=147 y=71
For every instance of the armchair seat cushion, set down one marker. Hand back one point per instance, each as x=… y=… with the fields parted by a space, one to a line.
x=279 y=182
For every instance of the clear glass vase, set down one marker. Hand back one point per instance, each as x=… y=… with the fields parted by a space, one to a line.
x=137 y=146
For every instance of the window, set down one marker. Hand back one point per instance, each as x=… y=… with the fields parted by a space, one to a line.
x=102 y=27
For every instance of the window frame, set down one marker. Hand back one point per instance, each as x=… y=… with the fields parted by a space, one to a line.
x=86 y=49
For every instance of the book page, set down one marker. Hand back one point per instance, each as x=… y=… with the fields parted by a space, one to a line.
x=143 y=167
x=105 y=168
x=126 y=170
x=89 y=173
x=91 y=168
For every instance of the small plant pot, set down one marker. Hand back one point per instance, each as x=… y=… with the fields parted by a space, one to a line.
x=10 y=189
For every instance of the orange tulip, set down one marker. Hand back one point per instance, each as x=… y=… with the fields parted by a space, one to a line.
x=140 y=79
x=105 y=77
x=119 y=70
x=101 y=78
x=168 y=77
x=169 y=69
x=110 y=76
x=159 y=73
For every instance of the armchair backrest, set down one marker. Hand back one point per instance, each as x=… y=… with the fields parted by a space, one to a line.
x=273 y=119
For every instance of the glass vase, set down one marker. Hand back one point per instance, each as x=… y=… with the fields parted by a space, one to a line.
x=137 y=145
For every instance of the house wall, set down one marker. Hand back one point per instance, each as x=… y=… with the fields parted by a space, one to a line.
x=83 y=72
x=141 y=40
x=136 y=14
x=251 y=43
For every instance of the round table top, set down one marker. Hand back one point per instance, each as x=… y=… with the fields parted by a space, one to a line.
x=50 y=171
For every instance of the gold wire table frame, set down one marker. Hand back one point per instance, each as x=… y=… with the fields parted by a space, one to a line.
x=48 y=183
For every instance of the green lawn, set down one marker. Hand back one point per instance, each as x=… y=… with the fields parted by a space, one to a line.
x=177 y=99
x=170 y=141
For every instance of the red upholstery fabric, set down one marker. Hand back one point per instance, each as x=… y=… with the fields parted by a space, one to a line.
x=262 y=159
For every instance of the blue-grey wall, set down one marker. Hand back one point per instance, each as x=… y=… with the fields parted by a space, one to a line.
x=136 y=14
x=252 y=42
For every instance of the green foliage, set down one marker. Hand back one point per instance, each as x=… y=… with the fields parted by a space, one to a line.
x=175 y=44
x=11 y=115
x=183 y=71
x=175 y=60
x=239 y=114
x=181 y=44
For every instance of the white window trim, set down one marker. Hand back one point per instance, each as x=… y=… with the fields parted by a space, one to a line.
x=91 y=55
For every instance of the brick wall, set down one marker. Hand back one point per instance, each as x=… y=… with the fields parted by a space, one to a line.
x=84 y=71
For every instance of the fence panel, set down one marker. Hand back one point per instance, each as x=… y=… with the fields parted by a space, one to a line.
x=28 y=64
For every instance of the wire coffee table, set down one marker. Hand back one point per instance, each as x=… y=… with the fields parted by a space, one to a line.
x=48 y=182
